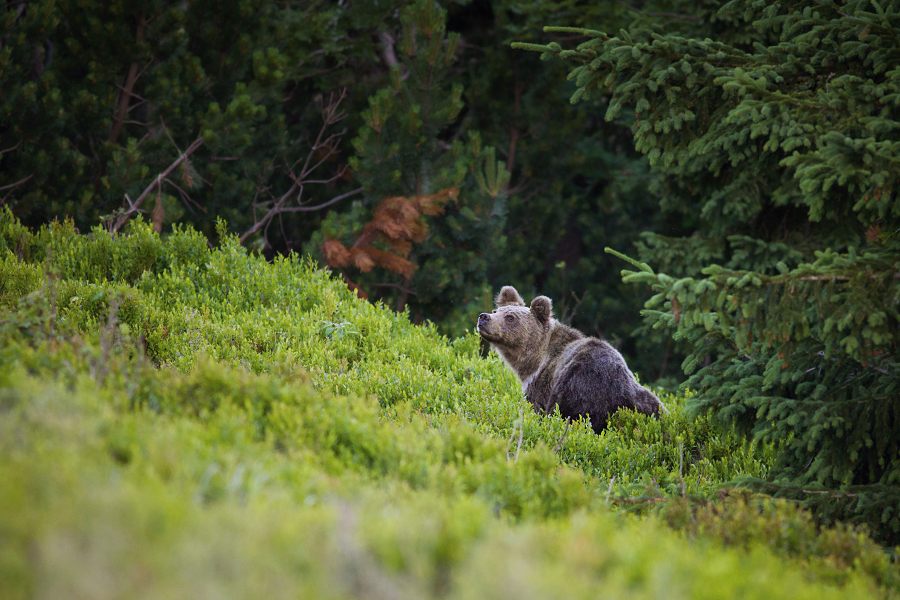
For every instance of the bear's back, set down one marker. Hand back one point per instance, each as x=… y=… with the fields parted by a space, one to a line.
x=591 y=378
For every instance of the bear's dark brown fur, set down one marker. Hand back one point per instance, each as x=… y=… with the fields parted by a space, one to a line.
x=559 y=365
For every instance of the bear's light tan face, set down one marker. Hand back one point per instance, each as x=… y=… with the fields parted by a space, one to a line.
x=518 y=333
x=510 y=327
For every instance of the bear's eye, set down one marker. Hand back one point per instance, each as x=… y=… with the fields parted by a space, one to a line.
x=510 y=318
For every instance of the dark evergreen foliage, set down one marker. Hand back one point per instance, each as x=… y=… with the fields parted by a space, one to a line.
x=251 y=81
x=99 y=97
x=783 y=146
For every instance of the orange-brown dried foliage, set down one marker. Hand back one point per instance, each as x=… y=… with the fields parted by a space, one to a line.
x=397 y=224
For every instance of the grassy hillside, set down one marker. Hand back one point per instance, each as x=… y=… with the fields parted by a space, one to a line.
x=180 y=421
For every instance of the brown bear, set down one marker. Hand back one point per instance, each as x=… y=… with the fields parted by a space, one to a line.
x=559 y=365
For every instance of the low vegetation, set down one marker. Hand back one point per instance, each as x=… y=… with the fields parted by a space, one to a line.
x=181 y=421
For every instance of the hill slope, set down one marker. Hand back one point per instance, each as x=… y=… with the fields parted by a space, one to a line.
x=180 y=421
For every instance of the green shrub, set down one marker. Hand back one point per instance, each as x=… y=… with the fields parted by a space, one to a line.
x=184 y=421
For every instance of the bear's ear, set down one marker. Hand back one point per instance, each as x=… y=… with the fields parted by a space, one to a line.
x=542 y=308
x=508 y=296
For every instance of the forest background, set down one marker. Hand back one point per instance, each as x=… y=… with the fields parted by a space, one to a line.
x=744 y=153
x=102 y=100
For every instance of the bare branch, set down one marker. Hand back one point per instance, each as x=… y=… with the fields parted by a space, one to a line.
x=10 y=149
x=13 y=186
x=131 y=78
x=278 y=208
x=387 y=50
x=16 y=183
x=134 y=206
x=326 y=204
x=185 y=197
x=324 y=148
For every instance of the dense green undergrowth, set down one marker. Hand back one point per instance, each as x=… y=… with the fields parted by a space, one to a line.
x=180 y=421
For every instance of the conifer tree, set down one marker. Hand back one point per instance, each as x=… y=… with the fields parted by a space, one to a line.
x=778 y=139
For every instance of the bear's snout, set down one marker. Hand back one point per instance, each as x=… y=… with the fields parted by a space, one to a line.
x=484 y=324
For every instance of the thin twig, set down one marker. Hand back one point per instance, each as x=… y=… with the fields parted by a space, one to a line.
x=562 y=438
x=326 y=204
x=16 y=183
x=387 y=50
x=185 y=197
x=520 y=425
x=323 y=149
x=10 y=149
x=134 y=206
x=127 y=90
x=612 y=480
x=519 y=444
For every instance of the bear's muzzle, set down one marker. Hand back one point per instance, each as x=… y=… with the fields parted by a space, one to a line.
x=484 y=322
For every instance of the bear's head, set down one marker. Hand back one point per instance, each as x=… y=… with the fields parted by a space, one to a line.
x=518 y=332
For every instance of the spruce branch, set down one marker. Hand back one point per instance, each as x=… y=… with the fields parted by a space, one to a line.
x=543 y=48
x=640 y=266
x=577 y=30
